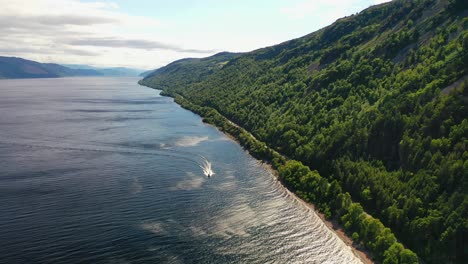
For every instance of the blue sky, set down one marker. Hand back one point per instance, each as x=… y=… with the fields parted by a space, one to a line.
x=149 y=34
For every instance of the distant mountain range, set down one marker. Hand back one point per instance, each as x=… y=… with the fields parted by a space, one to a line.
x=15 y=68
x=18 y=68
x=114 y=71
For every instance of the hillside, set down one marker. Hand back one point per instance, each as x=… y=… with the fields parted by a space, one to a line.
x=371 y=112
x=14 y=68
x=145 y=73
x=188 y=71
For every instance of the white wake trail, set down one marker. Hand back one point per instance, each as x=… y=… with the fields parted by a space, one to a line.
x=206 y=167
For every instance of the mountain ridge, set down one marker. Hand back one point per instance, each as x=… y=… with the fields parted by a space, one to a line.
x=16 y=68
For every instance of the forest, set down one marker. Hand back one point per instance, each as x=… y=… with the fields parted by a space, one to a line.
x=365 y=118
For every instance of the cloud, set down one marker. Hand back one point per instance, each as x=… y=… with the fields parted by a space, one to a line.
x=71 y=31
x=26 y=21
x=133 y=44
x=68 y=51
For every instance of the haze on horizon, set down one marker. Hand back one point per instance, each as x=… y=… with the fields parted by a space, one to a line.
x=149 y=34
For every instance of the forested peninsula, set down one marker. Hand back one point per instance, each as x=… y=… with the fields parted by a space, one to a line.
x=365 y=118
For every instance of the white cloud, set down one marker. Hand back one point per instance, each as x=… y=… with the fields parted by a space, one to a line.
x=70 y=31
x=131 y=43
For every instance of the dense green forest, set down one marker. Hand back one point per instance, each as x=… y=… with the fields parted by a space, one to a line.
x=369 y=115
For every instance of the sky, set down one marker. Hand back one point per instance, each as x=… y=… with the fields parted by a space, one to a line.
x=149 y=34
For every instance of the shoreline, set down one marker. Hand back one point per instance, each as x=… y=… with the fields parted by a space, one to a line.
x=360 y=253
x=332 y=225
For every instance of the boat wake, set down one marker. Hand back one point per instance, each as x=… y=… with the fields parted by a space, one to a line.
x=163 y=150
x=206 y=167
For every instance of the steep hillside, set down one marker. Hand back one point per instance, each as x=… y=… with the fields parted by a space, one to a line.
x=188 y=71
x=145 y=73
x=376 y=103
x=13 y=67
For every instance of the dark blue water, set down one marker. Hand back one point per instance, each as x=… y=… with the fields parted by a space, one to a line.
x=101 y=170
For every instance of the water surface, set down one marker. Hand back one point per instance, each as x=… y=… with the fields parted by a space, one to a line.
x=101 y=170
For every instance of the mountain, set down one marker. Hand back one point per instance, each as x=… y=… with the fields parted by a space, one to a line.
x=79 y=66
x=13 y=67
x=113 y=71
x=188 y=71
x=371 y=113
x=120 y=71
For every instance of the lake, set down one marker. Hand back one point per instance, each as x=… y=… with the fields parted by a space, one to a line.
x=102 y=170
